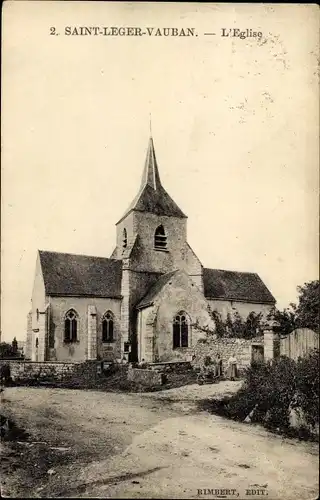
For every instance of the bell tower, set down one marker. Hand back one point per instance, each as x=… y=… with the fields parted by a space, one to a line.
x=151 y=241
x=153 y=222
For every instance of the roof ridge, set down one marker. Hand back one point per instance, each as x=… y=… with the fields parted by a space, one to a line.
x=156 y=286
x=77 y=255
x=231 y=271
x=236 y=285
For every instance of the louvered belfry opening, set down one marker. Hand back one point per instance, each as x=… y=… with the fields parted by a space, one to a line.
x=124 y=239
x=160 y=238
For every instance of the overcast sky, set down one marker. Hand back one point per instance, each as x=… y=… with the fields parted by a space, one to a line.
x=235 y=127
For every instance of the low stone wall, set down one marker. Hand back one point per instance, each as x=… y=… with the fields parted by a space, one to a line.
x=145 y=377
x=171 y=366
x=241 y=348
x=31 y=370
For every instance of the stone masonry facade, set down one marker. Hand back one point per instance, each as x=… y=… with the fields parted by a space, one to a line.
x=152 y=278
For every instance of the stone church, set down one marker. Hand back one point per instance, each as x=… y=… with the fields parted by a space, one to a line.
x=150 y=300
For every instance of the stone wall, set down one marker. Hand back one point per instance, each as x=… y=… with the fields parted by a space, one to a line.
x=147 y=258
x=225 y=307
x=241 y=348
x=171 y=366
x=29 y=370
x=155 y=323
x=145 y=377
x=78 y=351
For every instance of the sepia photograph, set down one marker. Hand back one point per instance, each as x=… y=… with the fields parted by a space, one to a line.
x=159 y=250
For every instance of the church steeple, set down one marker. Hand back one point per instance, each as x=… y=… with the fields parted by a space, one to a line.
x=150 y=174
x=152 y=197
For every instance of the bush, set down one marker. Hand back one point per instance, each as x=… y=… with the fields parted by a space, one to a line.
x=7 y=351
x=271 y=387
x=5 y=373
x=307 y=387
x=271 y=390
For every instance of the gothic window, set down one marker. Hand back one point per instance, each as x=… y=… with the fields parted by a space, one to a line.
x=107 y=327
x=70 y=326
x=160 y=238
x=124 y=238
x=181 y=325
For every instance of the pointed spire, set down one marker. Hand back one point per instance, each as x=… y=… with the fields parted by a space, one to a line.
x=152 y=197
x=150 y=176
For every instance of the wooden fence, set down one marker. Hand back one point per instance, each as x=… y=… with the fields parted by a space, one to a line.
x=299 y=343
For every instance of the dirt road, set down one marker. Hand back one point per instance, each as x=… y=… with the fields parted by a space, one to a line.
x=94 y=444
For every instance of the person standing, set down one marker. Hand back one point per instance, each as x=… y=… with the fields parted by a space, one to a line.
x=219 y=366
x=232 y=367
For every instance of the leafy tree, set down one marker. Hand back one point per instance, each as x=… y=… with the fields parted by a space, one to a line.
x=308 y=309
x=303 y=315
x=253 y=325
x=234 y=325
x=286 y=319
x=6 y=350
x=220 y=326
x=238 y=326
x=229 y=325
x=15 y=346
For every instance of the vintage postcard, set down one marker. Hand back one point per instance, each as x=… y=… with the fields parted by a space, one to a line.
x=159 y=245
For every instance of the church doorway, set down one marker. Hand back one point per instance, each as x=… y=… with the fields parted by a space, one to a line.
x=133 y=354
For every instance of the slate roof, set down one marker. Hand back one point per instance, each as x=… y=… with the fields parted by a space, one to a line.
x=83 y=275
x=220 y=285
x=155 y=289
x=157 y=202
x=152 y=196
x=234 y=285
x=70 y=274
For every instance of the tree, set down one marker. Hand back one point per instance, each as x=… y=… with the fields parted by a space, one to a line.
x=15 y=346
x=6 y=350
x=253 y=325
x=238 y=326
x=220 y=329
x=234 y=326
x=286 y=319
x=303 y=315
x=308 y=309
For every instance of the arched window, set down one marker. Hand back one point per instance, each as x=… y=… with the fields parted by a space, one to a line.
x=71 y=326
x=124 y=238
x=181 y=325
x=160 y=238
x=107 y=327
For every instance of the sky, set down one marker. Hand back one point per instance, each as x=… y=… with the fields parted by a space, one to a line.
x=235 y=125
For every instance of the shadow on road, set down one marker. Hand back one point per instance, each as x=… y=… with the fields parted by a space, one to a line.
x=82 y=488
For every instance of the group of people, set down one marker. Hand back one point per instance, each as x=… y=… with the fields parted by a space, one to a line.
x=214 y=367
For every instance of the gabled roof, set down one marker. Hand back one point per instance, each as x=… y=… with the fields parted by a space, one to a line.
x=70 y=274
x=155 y=289
x=234 y=285
x=152 y=196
